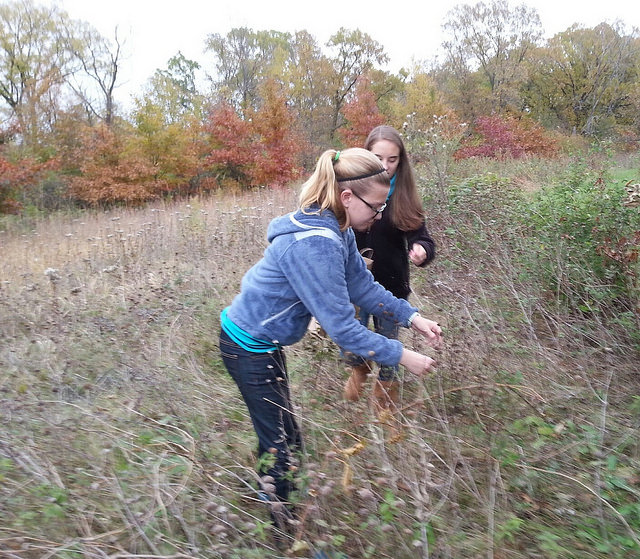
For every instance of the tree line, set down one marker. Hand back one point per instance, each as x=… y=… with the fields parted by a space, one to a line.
x=271 y=101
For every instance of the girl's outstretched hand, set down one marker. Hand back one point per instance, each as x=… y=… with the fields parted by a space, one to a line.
x=429 y=329
x=416 y=363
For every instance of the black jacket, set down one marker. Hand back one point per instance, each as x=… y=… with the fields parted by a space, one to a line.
x=391 y=252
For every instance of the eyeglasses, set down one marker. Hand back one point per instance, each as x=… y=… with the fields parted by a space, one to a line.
x=374 y=210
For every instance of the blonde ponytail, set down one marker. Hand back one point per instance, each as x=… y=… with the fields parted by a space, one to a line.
x=336 y=171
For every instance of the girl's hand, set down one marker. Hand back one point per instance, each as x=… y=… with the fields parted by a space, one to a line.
x=416 y=363
x=429 y=329
x=417 y=254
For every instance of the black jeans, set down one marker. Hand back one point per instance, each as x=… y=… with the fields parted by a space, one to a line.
x=264 y=386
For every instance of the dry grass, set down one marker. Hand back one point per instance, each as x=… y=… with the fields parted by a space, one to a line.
x=122 y=436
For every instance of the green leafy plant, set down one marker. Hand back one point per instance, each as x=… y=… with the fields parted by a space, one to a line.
x=582 y=234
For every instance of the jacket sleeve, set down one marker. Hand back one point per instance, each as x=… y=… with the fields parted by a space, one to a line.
x=323 y=277
x=373 y=298
x=422 y=237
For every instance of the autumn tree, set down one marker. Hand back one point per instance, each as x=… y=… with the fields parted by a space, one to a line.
x=174 y=90
x=112 y=169
x=308 y=76
x=506 y=136
x=276 y=146
x=353 y=54
x=51 y=64
x=170 y=147
x=244 y=59
x=21 y=175
x=34 y=64
x=263 y=149
x=464 y=91
x=387 y=90
x=230 y=150
x=13 y=177
x=419 y=100
x=97 y=63
x=492 y=40
x=361 y=114
x=586 y=79
x=167 y=121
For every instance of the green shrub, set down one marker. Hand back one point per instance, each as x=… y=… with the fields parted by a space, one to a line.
x=575 y=227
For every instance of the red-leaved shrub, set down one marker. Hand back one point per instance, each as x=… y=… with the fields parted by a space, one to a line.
x=501 y=137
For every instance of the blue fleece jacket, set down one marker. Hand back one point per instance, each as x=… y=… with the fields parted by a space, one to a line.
x=311 y=268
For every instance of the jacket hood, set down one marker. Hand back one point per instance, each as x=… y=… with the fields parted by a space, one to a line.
x=300 y=223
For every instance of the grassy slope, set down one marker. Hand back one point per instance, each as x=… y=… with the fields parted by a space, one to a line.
x=121 y=435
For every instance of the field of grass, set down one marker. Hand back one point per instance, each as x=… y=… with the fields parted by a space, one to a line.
x=121 y=435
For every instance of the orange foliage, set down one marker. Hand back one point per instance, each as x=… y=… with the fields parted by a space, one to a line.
x=260 y=150
x=506 y=136
x=362 y=115
x=111 y=173
x=278 y=146
x=16 y=176
x=230 y=140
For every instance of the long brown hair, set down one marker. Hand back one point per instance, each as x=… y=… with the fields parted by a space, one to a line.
x=353 y=168
x=407 y=212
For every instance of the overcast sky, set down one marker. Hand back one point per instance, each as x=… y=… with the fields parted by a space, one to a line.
x=155 y=30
